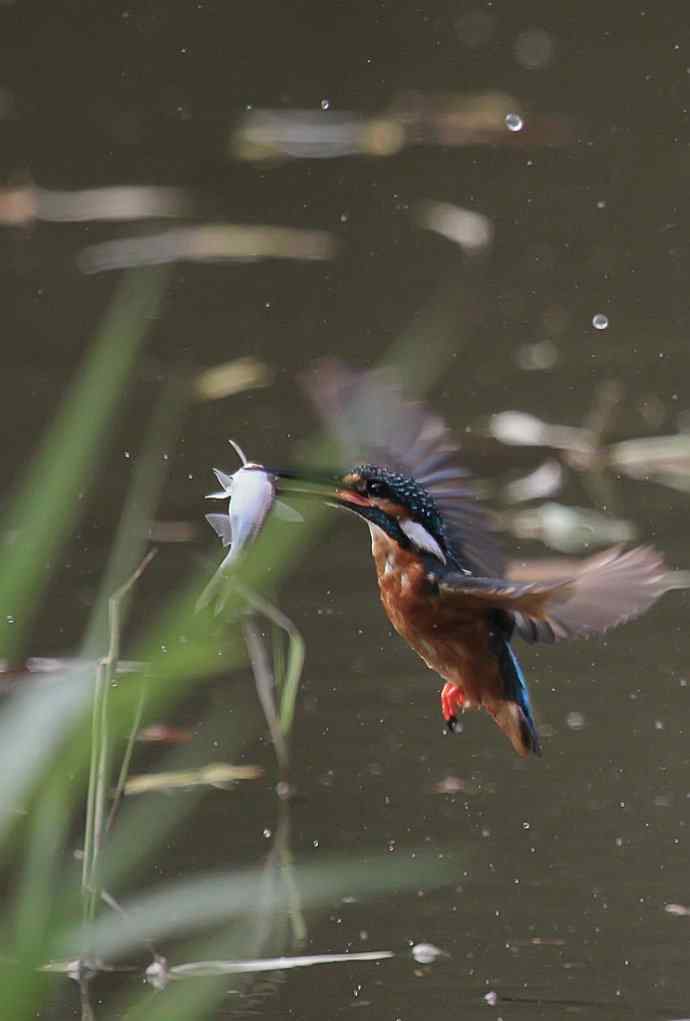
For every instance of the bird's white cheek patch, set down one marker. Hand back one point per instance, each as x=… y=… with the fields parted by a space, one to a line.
x=418 y=535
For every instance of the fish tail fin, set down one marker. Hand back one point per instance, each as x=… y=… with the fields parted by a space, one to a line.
x=216 y=591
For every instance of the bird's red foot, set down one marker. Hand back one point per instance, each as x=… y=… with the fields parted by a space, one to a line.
x=452 y=702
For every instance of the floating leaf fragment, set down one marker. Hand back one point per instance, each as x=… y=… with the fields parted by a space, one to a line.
x=232 y=378
x=414 y=118
x=677 y=909
x=519 y=429
x=216 y=774
x=163 y=733
x=570 y=529
x=27 y=203
x=213 y=242
x=471 y=230
x=427 y=953
x=664 y=459
x=457 y=785
x=546 y=480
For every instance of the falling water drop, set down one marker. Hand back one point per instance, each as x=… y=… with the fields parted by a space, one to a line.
x=325 y=104
x=600 y=321
x=514 y=122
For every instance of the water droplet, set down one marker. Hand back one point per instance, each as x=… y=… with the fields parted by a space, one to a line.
x=267 y=833
x=575 y=721
x=325 y=104
x=11 y=619
x=514 y=122
x=525 y=826
x=127 y=454
x=600 y=321
x=491 y=998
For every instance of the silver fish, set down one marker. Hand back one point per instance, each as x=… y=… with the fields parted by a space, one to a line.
x=252 y=494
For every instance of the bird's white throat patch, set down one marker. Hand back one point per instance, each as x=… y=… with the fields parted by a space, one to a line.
x=419 y=537
x=416 y=533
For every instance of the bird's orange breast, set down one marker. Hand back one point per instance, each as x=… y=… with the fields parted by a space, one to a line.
x=452 y=641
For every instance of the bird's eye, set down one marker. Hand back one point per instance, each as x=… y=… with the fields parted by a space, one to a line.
x=376 y=488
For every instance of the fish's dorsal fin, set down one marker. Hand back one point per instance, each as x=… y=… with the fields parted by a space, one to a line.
x=220 y=523
x=238 y=450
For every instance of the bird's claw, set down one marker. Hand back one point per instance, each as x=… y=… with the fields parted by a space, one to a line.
x=452 y=699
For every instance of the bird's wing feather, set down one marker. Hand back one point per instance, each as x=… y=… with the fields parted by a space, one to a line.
x=374 y=424
x=499 y=593
x=606 y=589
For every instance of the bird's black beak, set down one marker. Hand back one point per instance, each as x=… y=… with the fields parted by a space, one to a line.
x=330 y=487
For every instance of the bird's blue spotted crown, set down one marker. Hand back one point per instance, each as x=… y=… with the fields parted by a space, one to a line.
x=384 y=484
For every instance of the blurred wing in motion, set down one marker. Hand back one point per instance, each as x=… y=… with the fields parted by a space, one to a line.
x=374 y=423
x=605 y=590
x=529 y=598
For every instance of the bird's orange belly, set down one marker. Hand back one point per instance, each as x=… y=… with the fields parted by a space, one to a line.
x=452 y=642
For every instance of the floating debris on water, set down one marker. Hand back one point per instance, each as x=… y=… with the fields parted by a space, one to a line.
x=230 y=378
x=159 y=973
x=213 y=242
x=467 y=228
x=27 y=203
x=413 y=118
x=663 y=459
x=677 y=909
x=216 y=774
x=546 y=480
x=427 y=953
x=570 y=529
x=163 y=733
x=520 y=429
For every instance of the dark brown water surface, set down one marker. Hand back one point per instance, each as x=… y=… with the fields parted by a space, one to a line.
x=557 y=872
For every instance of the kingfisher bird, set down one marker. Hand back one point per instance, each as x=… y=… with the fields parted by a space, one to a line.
x=443 y=579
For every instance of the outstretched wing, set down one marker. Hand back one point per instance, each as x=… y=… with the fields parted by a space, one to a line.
x=561 y=598
x=605 y=590
x=530 y=598
x=375 y=424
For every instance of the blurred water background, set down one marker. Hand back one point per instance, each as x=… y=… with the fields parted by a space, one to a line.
x=562 y=884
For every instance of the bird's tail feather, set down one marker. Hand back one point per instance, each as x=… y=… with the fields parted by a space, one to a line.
x=513 y=713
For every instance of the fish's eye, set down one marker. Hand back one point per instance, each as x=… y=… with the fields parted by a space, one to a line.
x=375 y=487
